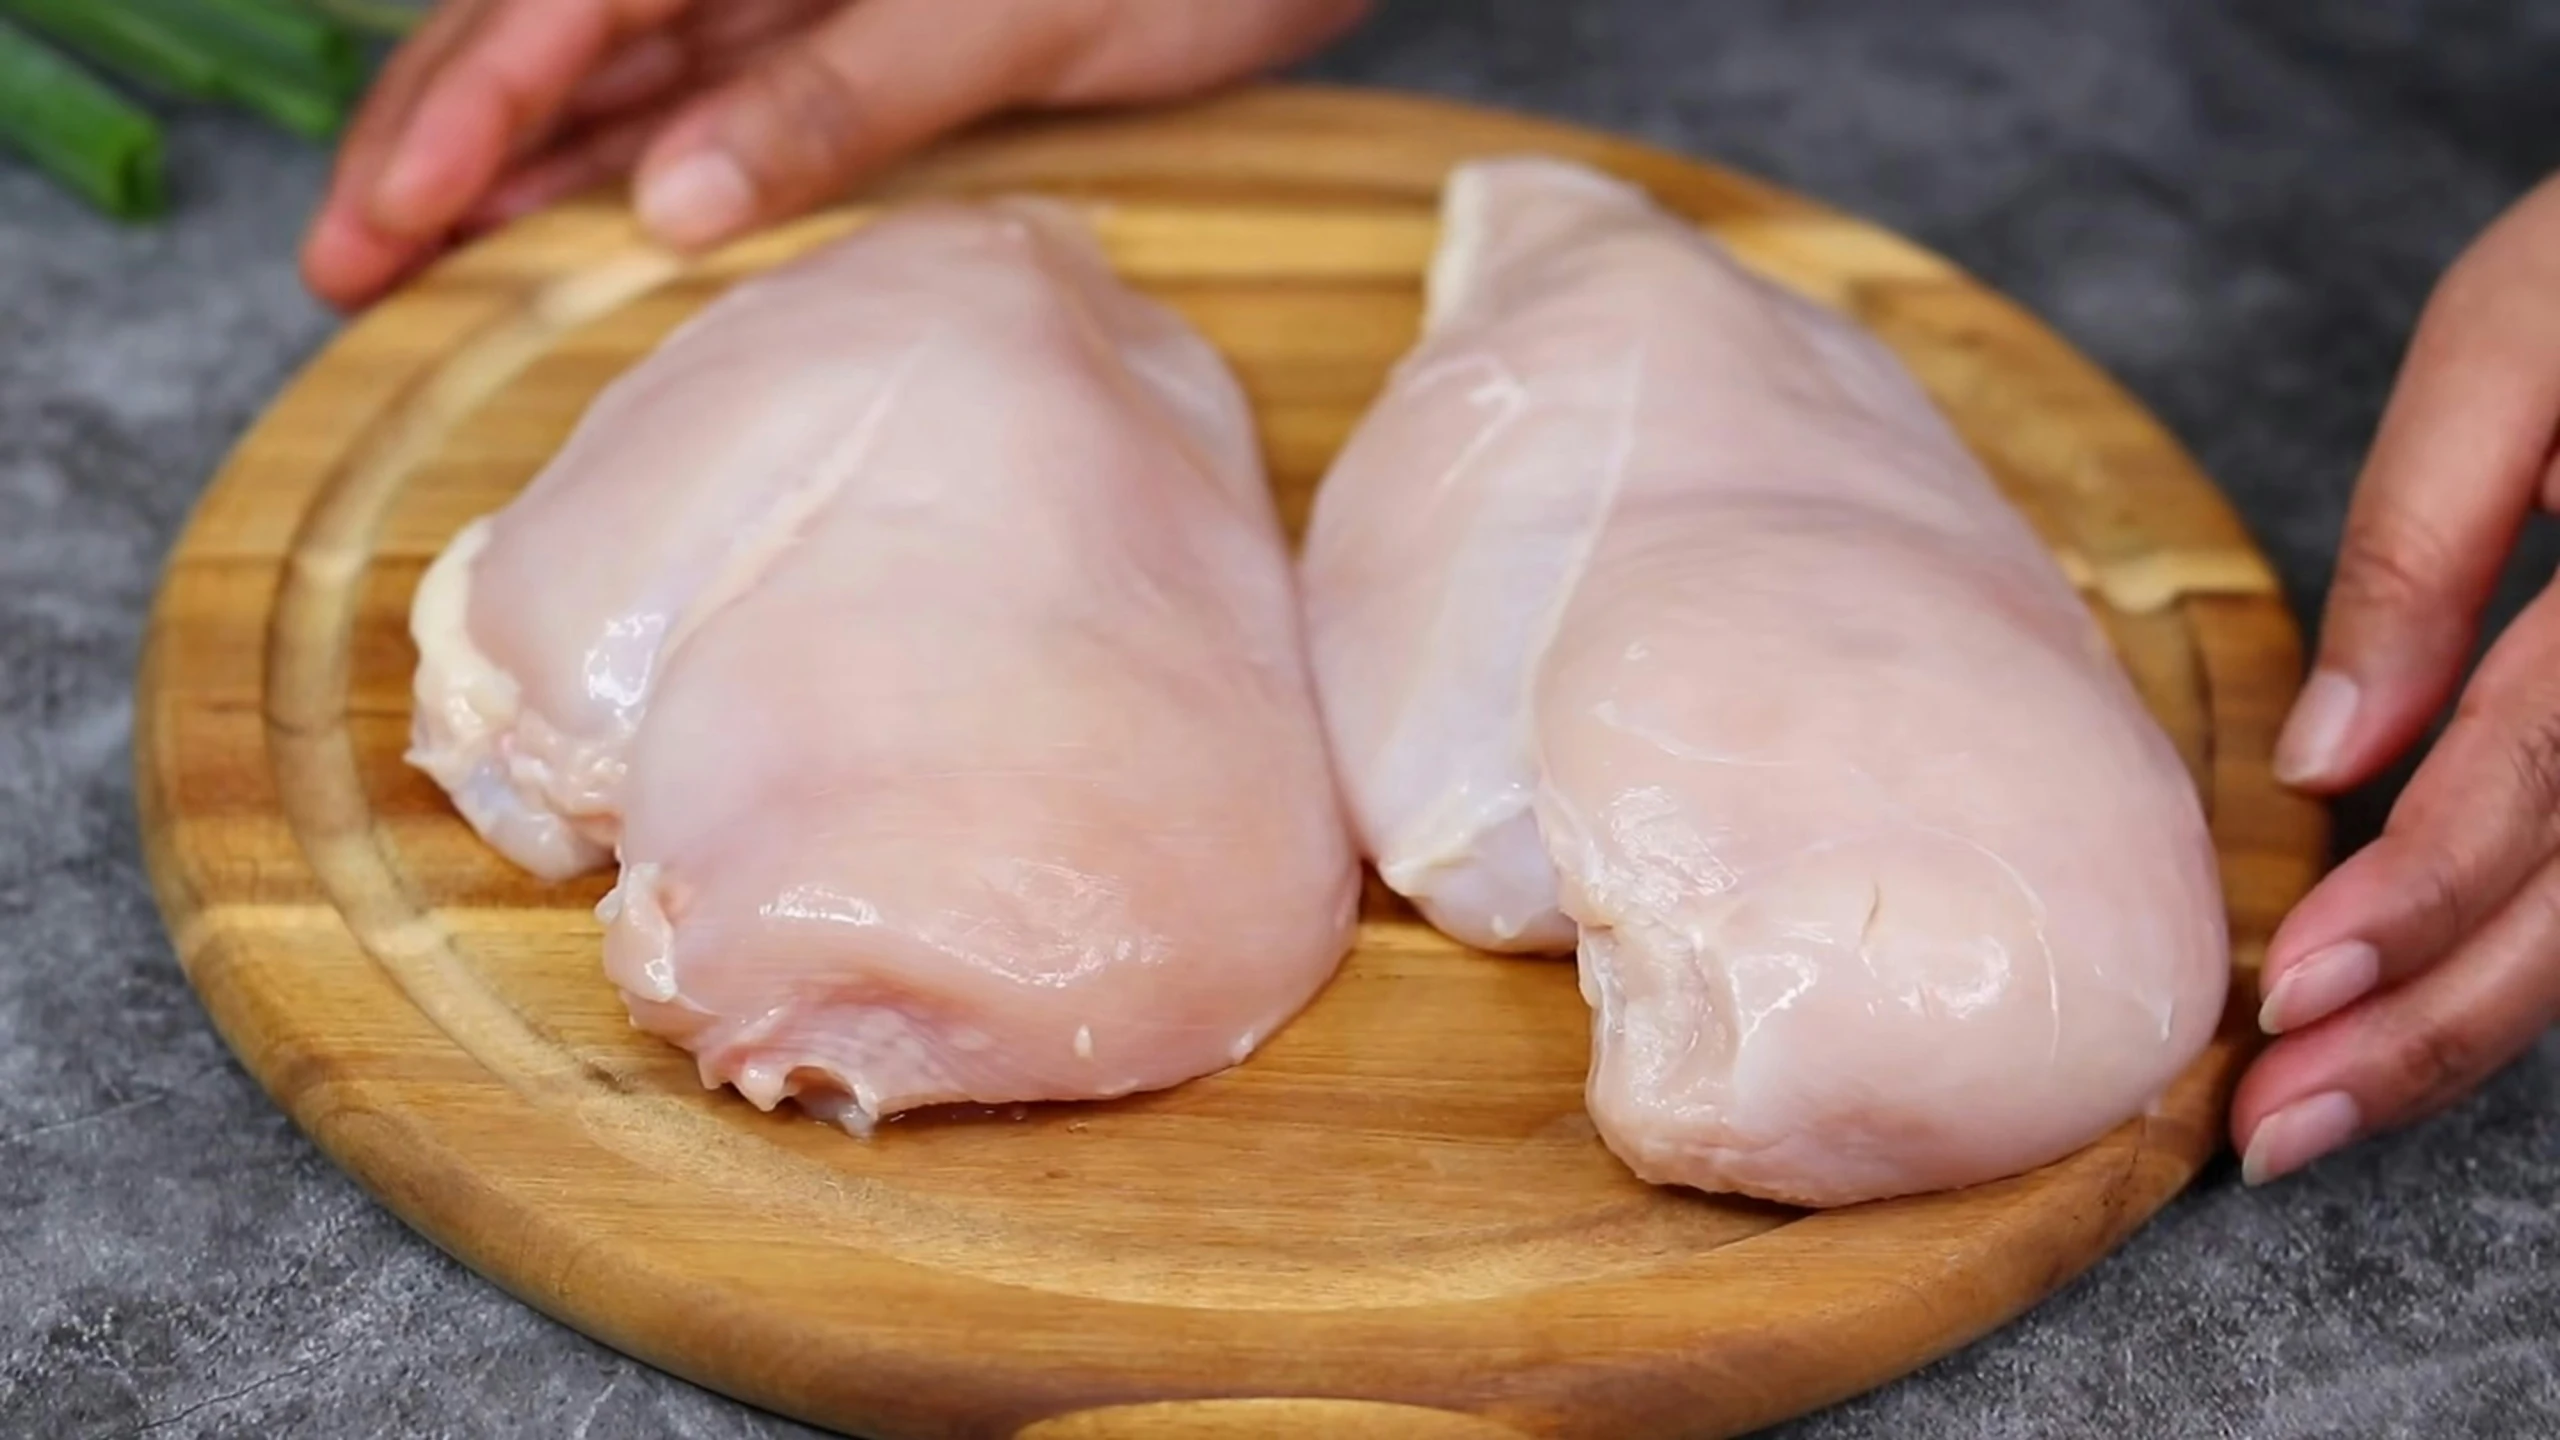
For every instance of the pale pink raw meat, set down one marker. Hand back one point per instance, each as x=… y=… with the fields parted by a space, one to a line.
x=1882 y=878
x=917 y=626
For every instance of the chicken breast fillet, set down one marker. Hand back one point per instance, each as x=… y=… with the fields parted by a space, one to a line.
x=916 y=626
x=1656 y=611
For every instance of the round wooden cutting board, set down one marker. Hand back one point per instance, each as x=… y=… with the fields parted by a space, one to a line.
x=1395 y=1220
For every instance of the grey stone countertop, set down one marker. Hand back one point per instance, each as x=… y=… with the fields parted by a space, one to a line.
x=2235 y=205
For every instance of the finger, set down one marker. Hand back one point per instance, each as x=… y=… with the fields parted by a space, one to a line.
x=590 y=159
x=2455 y=466
x=617 y=111
x=862 y=89
x=345 y=261
x=2481 y=814
x=2407 y=1053
x=714 y=46
x=887 y=76
x=507 y=85
x=348 y=265
x=393 y=96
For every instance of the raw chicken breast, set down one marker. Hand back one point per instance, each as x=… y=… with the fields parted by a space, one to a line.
x=1884 y=881
x=917 y=626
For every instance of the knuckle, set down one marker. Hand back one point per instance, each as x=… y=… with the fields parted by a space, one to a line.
x=2534 y=759
x=2507 y=727
x=2390 y=565
x=2435 y=1064
x=806 y=120
x=2440 y=899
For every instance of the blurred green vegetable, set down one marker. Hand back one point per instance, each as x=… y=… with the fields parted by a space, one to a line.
x=126 y=42
x=294 y=68
x=385 y=18
x=300 y=64
x=78 y=130
x=276 y=40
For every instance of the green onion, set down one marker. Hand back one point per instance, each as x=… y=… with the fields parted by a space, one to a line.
x=191 y=48
x=291 y=40
x=385 y=18
x=307 y=112
x=78 y=129
x=297 y=70
x=128 y=43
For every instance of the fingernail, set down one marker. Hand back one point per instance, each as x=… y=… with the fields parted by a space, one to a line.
x=2317 y=729
x=2299 y=1134
x=701 y=199
x=2320 y=985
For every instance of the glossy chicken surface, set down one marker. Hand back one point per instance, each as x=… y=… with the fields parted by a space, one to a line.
x=915 y=627
x=1659 y=615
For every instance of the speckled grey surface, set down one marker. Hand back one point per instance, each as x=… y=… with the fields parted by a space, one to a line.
x=2236 y=205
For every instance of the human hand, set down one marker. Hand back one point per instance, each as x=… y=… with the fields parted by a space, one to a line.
x=2431 y=958
x=733 y=114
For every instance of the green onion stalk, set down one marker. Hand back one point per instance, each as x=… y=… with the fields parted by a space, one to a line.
x=297 y=67
x=300 y=64
x=386 y=19
x=79 y=131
